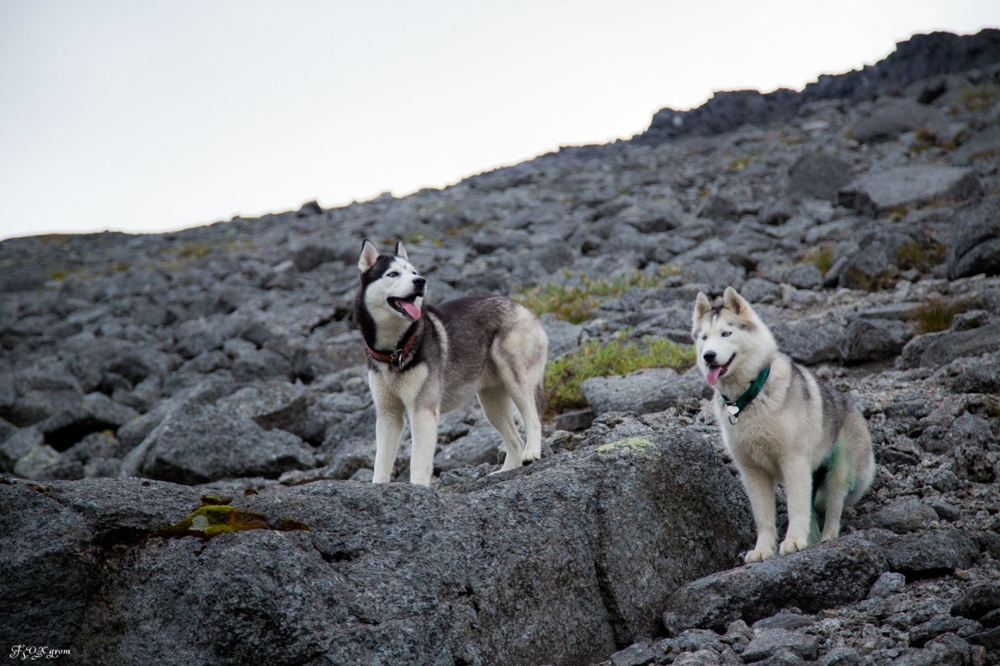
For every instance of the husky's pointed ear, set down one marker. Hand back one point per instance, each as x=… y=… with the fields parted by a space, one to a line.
x=701 y=307
x=369 y=255
x=401 y=251
x=735 y=303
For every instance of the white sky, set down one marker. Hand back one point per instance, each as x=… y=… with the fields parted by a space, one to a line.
x=142 y=116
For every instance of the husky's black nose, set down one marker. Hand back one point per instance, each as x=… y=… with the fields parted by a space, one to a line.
x=709 y=357
x=419 y=283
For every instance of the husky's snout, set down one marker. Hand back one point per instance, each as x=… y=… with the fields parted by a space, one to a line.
x=709 y=357
x=419 y=285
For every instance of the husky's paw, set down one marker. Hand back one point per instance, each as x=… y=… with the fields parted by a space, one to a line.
x=793 y=545
x=528 y=458
x=758 y=555
x=507 y=467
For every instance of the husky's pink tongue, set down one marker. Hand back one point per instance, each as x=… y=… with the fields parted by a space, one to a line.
x=713 y=375
x=411 y=309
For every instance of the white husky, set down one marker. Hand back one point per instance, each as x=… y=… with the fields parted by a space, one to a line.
x=780 y=424
x=425 y=360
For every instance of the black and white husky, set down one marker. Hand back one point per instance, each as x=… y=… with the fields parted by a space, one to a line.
x=780 y=424
x=425 y=360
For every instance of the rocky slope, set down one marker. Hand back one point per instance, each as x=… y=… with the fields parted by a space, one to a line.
x=185 y=429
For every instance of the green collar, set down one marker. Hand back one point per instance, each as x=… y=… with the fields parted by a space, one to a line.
x=734 y=408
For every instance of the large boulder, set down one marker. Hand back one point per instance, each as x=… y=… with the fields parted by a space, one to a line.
x=900 y=188
x=828 y=575
x=974 y=246
x=894 y=117
x=818 y=177
x=572 y=556
x=197 y=443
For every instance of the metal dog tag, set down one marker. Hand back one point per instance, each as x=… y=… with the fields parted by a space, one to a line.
x=733 y=410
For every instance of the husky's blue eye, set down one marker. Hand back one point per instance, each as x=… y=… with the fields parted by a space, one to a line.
x=392 y=274
x=726 y=334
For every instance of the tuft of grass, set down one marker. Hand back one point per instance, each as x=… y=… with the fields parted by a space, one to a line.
x=822 y=257
x=977 y=98
x=193 y=251
x=920 y=256
x=935 y=314
x=575 y=303
x=564 y=375
x=738 y=164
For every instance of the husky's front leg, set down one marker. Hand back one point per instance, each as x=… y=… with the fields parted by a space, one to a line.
x=424 y=426
x=760 y=489
x=388 y=428
x=798 y=488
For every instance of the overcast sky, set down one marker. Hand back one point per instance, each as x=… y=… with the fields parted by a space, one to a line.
x=144 y=116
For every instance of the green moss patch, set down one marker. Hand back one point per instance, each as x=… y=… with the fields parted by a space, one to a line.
x=634 y=446
x=213 y=519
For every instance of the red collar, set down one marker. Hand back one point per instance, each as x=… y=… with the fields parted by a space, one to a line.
x=397 y=357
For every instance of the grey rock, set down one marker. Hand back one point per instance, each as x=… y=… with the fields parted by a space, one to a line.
x=974 y=243
x=818 y=177
x=874 y=266
x=887 y=584
x=944 y=510
x=891 y=119
x=641 y=391
x=803 y=276
x=37 y=463
x=977 y=601
x=874 y=340
x=983 y=145
x=941 y=624
x=759 y=290
x=946 y=650
x=990 y=639
x=936 y=349
x=841 y=656
x=200 y=443
x=285 y=406
x=18 y=445
x=573 y=421
x=197 y=336
x=929 y=553
x=827 y=575
x=809 y=341
x=902 y=516
x=564 y=336
x=475 y=448
x=313 y=254
x=362 y=591
x=638 y=654
x=767 y=641
x=786 y=621
x=7 y=430
x=554 y=256
x=261 y=365
x=718 y=207
x=875 y=194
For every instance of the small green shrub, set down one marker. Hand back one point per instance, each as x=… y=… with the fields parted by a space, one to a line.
x=977 y=98
x=575 y=303
x=920 y=256
x=564 y=375
x=822 y=258
x=935 y=314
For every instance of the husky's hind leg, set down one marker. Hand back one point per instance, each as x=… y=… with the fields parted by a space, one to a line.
x=499 y=411
x=528 y=408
